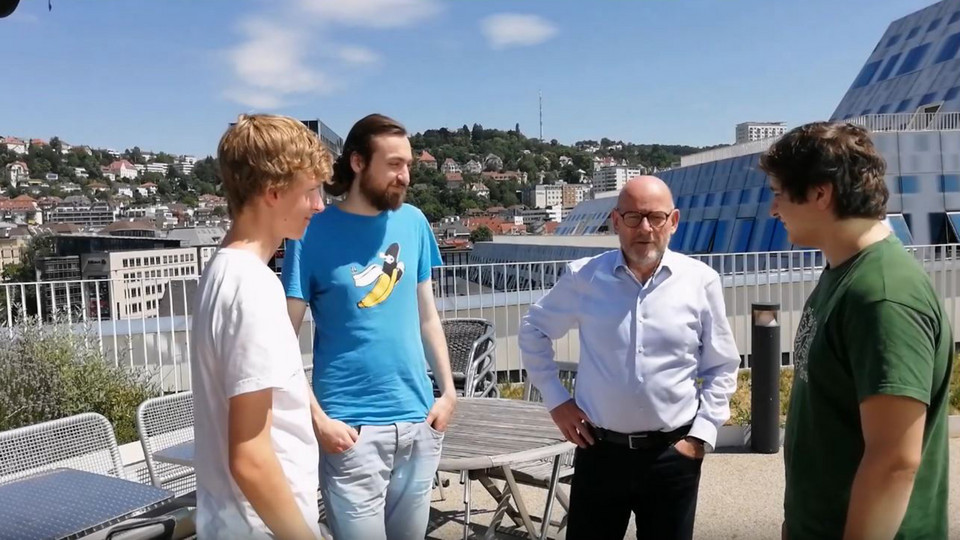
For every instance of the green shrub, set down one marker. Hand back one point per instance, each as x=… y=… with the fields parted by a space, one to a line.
x=50 y=371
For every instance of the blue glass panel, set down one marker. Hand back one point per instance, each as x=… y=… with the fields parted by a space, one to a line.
x=705 y=236
x=904 y=105
x=909 y=184
x=954 y=219
x=927 y=98
x=676 y=241
x=888 y=67
x=731 y=197
x=951 y=47
x=711 y=200
x=951 y=93
x=697 y=201
x=721 y=238
x=780 y=241
x=899 y=226
x=954 y=18
x=913 y=59
x=750 y=196
x=884 y=109
x=934 y=24
x=765 y=234
x=866 y=75
x=765 y=194
x=893 y=40
x=741 y=235
x=691 y=236
x=950 y=183
x=913 y=32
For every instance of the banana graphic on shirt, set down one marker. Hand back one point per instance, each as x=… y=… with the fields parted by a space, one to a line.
x=385 y=276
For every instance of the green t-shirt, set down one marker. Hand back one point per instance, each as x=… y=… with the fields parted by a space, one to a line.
x=873 y=325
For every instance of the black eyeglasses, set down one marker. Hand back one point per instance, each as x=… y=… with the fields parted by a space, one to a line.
x=634 y=219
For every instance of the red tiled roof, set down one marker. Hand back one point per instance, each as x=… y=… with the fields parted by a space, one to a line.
x=425 y=156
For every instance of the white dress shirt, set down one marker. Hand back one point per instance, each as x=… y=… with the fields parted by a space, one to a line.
x=643 y=346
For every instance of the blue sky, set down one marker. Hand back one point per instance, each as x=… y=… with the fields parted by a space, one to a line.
x=170 y=75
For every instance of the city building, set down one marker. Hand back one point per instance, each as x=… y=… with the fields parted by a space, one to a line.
x=612 y=178
x=755 y=131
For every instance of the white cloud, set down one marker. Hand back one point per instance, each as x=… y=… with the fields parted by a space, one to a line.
x=278 y=53
x=255 y=99
x=271 y=63
x=358 y=56
x=516 y=30
x=371 y=13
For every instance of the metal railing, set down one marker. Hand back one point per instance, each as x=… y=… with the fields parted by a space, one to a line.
x=915 y=121
x=145 y=323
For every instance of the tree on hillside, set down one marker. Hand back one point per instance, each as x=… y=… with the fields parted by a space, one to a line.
x=481 y=234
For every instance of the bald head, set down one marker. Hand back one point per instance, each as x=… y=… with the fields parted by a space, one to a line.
x=645 y=193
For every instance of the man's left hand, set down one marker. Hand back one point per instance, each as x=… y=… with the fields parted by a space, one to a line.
x=441 y=412
x=690 y=447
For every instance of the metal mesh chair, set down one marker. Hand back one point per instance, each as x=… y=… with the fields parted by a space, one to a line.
x=84 y=442
x=163 y=422
x=472 y=346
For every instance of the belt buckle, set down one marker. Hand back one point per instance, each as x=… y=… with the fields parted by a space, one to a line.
x=638 y=437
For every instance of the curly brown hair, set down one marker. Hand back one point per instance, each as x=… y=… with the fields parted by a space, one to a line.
x=839 y=154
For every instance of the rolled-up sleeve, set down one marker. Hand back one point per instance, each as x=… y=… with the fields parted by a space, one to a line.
x=718 y=367
x=548 y=319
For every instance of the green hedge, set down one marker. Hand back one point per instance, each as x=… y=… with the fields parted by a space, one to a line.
x=49 y=372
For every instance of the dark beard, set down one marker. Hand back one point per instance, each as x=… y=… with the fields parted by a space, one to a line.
x=383 y=200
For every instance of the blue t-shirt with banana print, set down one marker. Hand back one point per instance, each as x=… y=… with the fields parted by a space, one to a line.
x=360 y=274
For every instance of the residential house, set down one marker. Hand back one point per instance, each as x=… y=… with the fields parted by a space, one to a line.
x=450 y=166
x=122 y=168
x=14 y=144
x=473 y=166
x=454 y=180
x=17 y=172
x=22 y=209
x=493 y=162
x=480 y=189
x=427 y=161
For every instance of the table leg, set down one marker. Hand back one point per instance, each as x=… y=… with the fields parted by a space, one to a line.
x=465 y=478
x=521 y=506
x=551 y=492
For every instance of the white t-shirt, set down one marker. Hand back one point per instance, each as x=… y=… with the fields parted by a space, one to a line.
x=242 y=341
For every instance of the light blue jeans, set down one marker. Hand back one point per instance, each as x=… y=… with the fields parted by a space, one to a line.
x=379 y=488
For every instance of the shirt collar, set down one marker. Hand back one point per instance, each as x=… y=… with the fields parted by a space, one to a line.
x=667 y=262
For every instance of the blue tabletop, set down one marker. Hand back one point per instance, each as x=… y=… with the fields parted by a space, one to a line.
x=67 y=503
x=180 y=454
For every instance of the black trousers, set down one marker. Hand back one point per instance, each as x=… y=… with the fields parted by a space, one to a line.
x=659 y=485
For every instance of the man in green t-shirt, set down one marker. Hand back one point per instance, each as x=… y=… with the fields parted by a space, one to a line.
x=866 y=437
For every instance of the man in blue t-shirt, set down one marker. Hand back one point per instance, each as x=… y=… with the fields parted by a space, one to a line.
x=363 y=266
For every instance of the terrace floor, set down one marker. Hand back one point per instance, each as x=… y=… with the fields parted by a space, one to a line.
x=741 y=497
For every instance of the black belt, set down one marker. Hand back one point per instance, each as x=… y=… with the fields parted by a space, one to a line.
x=644 y=440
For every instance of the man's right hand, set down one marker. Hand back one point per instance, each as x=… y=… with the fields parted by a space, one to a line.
x=573 y=423
x=334 y=436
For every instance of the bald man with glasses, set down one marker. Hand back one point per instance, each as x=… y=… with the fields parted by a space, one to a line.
x=658 y=365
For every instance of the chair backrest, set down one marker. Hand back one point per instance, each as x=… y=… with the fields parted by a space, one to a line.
x=466 y=340
x=163 y=422
x=84 y=442
x=568 y=376
x=471 y=344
